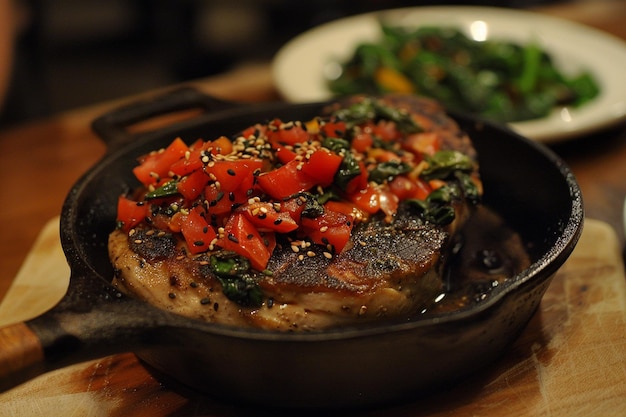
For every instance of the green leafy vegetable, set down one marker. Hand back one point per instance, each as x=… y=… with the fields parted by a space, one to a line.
x=238 y=284
x=499 y=80
x=166 y=190
x=444 y=163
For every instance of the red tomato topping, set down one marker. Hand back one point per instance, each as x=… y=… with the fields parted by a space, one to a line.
x=130 y=213
x=331 y=228
x=242 y=237
x=196 y=230
x=258 y=185
x=322 y=166
x=405 y=188
x=192 y=185
x=156 y=165
x=334 y=129
x=230 y=174
x=285 y=181
x=265 y=217
x=287 y=134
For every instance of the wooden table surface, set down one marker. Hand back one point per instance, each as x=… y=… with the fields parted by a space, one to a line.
x=41 y=160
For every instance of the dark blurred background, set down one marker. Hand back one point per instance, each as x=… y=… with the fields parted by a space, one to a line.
x=71 y=53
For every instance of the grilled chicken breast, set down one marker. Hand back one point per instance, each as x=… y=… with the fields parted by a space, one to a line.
x=390 y=268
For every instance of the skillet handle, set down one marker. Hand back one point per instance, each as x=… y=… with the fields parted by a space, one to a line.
x=21 y=355
x=112 y=126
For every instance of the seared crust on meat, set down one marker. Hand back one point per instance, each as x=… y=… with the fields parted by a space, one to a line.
x=387 y=270
x=390 y=270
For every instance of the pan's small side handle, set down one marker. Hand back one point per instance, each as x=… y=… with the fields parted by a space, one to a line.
x=21 y=355
x=112 y=126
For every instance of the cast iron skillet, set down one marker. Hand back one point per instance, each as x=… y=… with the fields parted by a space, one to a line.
x=525 y=182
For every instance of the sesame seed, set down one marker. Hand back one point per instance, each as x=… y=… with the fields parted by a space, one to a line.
x=323 y=229
x=295 y=248
x=310 y=254
x=232 y=238
x=328 y=255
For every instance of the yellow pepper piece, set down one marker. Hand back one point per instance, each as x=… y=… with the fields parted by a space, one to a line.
x=312 y=126
x=393 y=81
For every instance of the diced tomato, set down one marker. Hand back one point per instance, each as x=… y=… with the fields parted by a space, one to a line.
x=334 y=129
x=406 y=188
x=157 y=165
x=197 y=232
x=242 y=237
x=266 y=218
x=367 y=199
x=269 y=240
x=322 y=166
x=285 y=181
x=388 y=203
x=284 y=154
x=223 y=202
x=221 y=146
x=291 y=135
x=254 y=130
x=426 y=143
x=191 y=161
x=197 y=144
x=130 y=213
x=359 y=182
x=362 y=142
x=385 y=130
x=176 y=222
x=192 y=185
x=331 y=228
x=293 y=206
x=219 y=202
x=345 y=207
x=231 y=174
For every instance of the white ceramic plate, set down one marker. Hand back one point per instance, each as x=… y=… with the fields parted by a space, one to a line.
x=298 y=68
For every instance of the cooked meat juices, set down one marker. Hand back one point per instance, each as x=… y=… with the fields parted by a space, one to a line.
x=301 y=225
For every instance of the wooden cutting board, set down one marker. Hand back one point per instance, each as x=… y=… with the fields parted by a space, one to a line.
x=569 y=362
